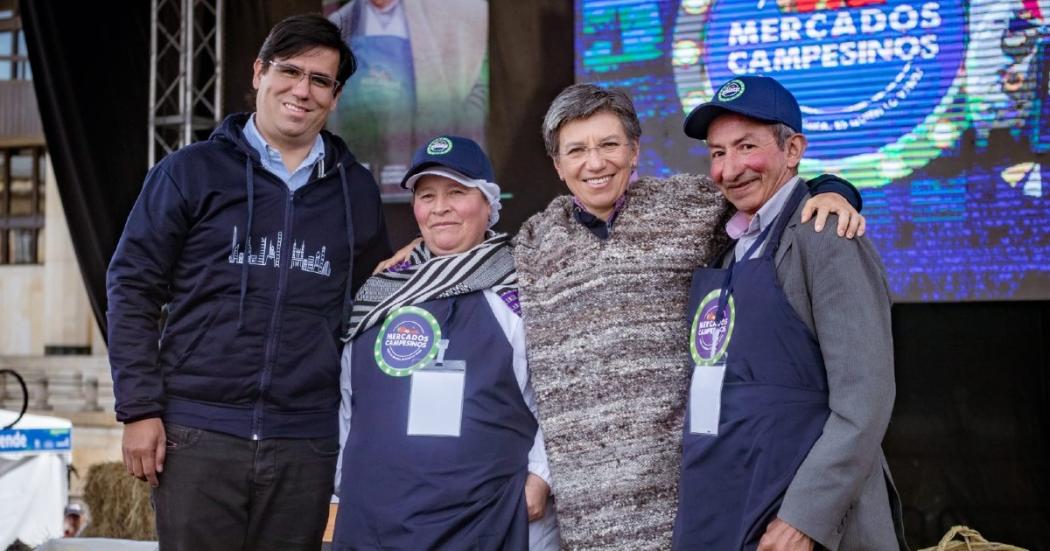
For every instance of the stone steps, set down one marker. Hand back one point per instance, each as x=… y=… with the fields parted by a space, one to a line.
x=67 y=386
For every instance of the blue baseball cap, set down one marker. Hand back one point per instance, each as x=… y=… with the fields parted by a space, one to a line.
x=462 y=155
x=460 y=159
x=756 y=97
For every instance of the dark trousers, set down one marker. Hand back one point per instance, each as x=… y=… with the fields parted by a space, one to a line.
x=223 y=493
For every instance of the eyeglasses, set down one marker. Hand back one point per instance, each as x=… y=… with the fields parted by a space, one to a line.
x=295 y=74
x=606 y=149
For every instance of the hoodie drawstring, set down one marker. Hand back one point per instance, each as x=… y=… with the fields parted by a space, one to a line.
x=247 y=239
x=348 y=297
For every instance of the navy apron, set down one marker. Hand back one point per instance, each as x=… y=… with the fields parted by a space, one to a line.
x=774 y=405
x=435 y=492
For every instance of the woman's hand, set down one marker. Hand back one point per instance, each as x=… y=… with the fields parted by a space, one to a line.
x=536 y=493
x=851 y=223
x=400 y=256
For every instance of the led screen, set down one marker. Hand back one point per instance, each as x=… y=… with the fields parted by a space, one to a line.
x=937 y=110
x=422 y=71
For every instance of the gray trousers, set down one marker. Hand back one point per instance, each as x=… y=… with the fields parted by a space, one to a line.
x=223 y=493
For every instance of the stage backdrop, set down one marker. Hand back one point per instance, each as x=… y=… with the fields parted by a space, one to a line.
x=971 y=427
x=937 y=109
x=422 y=72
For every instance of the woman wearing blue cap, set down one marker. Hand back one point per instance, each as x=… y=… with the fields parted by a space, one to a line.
x=441 y=447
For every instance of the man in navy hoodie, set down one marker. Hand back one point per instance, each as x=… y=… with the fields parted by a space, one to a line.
x=253 y=243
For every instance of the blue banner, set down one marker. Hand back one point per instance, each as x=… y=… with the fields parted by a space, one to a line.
x=34 y=440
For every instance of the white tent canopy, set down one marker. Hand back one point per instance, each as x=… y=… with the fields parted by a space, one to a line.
x=34 y=455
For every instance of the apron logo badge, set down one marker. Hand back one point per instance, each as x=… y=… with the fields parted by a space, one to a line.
x=407 y=341
x=709 y=337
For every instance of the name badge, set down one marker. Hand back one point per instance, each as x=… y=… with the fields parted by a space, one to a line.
x=435 y=406
x=709 y=338
x=705 y=399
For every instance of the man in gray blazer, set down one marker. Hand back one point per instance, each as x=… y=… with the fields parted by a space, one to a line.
x=793 y=381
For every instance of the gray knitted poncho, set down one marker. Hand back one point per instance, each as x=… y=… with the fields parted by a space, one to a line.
x=608 y=354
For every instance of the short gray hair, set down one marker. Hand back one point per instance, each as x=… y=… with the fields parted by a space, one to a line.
x=581 y=101
x=781 y=133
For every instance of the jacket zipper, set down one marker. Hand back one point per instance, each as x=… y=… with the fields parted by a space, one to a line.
x=273 y=334
x=270 y=351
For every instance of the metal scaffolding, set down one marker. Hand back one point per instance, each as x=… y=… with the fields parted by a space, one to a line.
x=185 y=86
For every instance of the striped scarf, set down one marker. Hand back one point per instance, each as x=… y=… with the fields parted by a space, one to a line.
x=489 y=265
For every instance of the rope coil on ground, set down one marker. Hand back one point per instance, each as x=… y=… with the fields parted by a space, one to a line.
x=971 y=540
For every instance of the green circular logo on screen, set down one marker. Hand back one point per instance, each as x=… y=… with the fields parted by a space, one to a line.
x=882 y=85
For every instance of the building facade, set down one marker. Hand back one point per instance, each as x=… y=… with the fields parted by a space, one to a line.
x=48 y=333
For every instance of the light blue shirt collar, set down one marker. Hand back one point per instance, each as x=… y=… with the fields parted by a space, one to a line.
x=271 y=160
x=763 y=218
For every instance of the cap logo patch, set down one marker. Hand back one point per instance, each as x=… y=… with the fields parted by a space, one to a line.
x=731 y=90
x=439 y=146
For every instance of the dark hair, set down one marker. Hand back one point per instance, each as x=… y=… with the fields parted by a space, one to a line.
x=301 y=33
x=581 y=101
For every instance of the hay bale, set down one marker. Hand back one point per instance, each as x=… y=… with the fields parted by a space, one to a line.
x=119 y=504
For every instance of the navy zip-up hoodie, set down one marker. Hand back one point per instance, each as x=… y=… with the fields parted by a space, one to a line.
x=256 y=282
